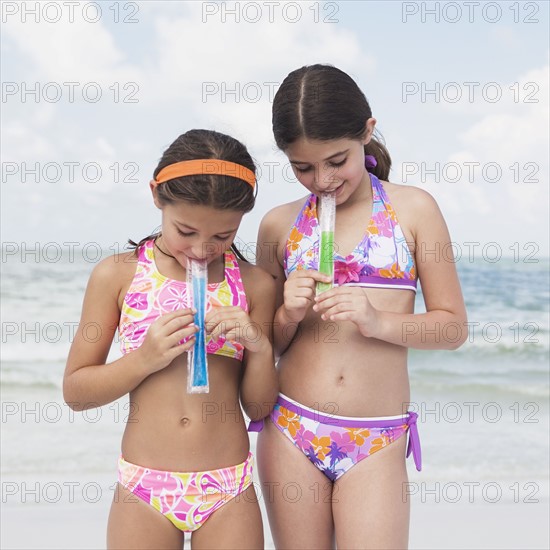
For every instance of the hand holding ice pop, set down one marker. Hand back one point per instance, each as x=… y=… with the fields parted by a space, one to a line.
x=235 y=325
x=299 y=292
x=168 y=337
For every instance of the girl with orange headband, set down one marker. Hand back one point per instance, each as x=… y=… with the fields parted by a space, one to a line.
x=185 y=465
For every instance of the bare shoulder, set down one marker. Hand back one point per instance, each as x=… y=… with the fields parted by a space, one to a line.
x=256 y=279
x=279 y=219
x=411 y=204
x=116 y=266
x=409 y=196
x=259 y=287
x=288 y=208
x=114 y=273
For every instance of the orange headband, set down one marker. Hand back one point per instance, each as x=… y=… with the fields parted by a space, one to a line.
x=206 y=166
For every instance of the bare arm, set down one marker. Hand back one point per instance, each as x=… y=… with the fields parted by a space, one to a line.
x=89 y=382
x=443 y=326
x=268 y=254
x=259 y=385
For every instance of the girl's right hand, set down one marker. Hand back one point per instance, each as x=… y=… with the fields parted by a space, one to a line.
x=299 y=292
x=161 y=345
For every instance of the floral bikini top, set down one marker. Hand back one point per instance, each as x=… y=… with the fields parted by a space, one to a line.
x=151 y=295
x=382 y=259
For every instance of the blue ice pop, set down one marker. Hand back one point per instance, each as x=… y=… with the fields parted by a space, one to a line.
x=197 y=364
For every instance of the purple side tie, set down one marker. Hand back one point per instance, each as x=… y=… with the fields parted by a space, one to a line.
x=414 y=441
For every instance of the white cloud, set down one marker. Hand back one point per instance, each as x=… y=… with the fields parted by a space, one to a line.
x=225 y=56
x=514 y=134
x=66 y=51
x=527 y=92
x=177 y=54
x=513 y=139
x=182 y=53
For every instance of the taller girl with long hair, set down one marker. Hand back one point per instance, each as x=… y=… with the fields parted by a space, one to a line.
x=332 y=455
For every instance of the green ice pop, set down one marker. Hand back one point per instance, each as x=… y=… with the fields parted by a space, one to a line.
x=326 y=246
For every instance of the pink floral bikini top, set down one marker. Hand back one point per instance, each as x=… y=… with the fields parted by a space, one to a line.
x=382 y=259
x=151 y=295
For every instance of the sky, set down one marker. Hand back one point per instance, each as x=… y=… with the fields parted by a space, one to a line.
x=93 y=92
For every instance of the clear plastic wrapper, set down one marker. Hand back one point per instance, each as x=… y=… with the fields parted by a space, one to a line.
x=326 y=246
x=197 y=363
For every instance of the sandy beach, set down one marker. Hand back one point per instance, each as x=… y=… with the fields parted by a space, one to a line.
x=503 y=525
x=67 y=513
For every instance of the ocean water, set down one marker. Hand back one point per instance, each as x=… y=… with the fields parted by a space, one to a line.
x=483 y=409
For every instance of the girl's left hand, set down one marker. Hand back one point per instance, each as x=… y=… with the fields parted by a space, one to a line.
x=348 y=303
x=235 y=325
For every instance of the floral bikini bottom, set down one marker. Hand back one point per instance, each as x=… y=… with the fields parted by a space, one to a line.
x=336 y=443
x=187 y=499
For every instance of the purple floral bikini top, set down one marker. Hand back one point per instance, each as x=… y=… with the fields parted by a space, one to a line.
x=382 y=259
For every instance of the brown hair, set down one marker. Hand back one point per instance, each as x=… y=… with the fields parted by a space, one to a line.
x=323 y=103
x=223 y=192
